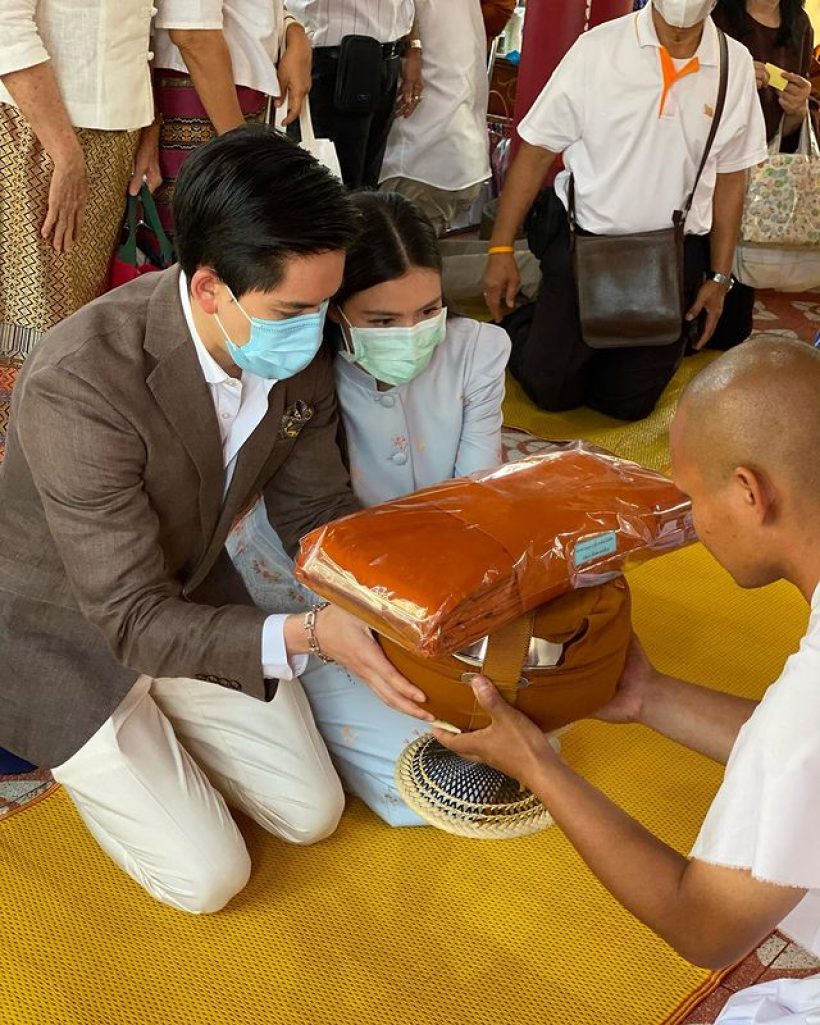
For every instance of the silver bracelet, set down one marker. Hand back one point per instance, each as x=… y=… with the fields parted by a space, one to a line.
x=310 y=630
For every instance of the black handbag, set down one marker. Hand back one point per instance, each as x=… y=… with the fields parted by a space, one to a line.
x=630 y=287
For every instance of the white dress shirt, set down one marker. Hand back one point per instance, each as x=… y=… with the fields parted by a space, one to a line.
x=328 y=21
x=240 y=406
x=632 y=167
x=766 y=816
x=444 y=423
x=453 y=112
x=253 y=30
x=99 y=50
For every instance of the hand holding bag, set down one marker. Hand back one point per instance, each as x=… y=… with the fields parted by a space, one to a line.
x=144 y=246
x=630 y=287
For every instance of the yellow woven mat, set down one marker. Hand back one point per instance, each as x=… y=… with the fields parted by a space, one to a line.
x=646 y=442
x=412 y=927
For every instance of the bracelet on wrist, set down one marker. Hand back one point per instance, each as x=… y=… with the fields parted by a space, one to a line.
x=493 y=250
x=310 y=630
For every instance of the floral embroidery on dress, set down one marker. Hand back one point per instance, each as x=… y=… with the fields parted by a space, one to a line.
x=264 y=565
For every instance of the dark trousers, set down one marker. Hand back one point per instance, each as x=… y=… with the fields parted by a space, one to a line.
x=559 y=371
x=737 y=320
x=360 y=139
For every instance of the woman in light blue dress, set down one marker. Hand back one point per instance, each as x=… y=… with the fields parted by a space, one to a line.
x=420 y=396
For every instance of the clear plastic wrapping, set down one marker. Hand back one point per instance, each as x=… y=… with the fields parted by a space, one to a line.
x=440 y=569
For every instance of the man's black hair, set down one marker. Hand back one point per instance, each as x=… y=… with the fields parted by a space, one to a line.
x=247 y=200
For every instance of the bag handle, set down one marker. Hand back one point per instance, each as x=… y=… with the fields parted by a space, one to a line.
x=306 y=124
x=152 y=221
x=806 y=144
x=127 y=250
x=719 y=105
x=507 y=651
x=142 y=209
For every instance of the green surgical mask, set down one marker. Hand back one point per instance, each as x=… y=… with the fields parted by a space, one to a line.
x=395 y=355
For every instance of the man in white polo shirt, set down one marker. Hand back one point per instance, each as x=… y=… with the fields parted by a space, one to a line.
x=629 y=109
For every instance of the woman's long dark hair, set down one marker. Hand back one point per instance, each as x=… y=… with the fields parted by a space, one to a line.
x=394 y=235
x=789 y=14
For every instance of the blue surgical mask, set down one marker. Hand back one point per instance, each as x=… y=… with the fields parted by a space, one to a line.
x=277 y=349
x=395 y=355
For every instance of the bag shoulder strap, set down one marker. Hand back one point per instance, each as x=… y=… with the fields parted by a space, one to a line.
x=507 y=651
x=719 y=105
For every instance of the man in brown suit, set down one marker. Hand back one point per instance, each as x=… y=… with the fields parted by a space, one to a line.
x=133 y=661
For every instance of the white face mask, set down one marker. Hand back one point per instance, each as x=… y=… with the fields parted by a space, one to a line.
x=683 y=13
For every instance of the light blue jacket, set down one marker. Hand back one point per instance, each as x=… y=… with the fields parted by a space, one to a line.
x=444 y=423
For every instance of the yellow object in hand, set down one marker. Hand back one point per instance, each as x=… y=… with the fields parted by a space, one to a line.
x=777 y=77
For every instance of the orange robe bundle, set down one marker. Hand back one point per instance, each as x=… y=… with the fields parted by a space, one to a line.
x=440 y=569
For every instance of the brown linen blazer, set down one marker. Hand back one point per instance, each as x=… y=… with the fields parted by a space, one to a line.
x=112 y=521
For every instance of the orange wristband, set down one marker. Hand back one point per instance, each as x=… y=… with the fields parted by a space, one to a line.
x=500 y=249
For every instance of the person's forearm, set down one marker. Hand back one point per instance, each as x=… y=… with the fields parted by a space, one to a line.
x=36 y=93
x=524 y=179
x=641 y=872
x=208 y=60
x=727 y=212
x=704 y=720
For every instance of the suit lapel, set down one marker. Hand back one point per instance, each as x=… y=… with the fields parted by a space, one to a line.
x=190 y=411
x=249 y=463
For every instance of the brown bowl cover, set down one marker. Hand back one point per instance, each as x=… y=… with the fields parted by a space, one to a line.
x=439 y=569
x=594 y=626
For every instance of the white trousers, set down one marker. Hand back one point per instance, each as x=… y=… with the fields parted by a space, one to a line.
x=154 y=782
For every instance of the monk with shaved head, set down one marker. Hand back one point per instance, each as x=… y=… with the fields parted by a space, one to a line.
x=745 y=449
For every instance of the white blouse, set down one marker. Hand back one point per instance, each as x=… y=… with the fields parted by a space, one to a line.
x=444 y=423
x=100 y=52
x=766 y=816
x=253 y=29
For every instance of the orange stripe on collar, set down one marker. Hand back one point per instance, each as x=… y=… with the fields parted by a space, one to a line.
x=671 y=74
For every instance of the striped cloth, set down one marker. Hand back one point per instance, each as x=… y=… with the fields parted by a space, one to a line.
x=186 y=126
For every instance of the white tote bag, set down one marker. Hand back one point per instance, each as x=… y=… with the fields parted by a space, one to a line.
x=322 y=149
x=779 y=246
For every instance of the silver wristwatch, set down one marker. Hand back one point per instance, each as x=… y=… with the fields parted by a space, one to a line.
x=726 y=280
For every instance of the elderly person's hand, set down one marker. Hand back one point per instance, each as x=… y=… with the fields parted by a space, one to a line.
x=294 y=72
x=511 y=743
x=146 y=161
x=67 y=199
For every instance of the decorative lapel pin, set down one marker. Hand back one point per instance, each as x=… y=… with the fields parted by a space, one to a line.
x=294 y=419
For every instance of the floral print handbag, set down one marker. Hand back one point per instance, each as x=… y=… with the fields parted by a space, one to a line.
x=783 y=198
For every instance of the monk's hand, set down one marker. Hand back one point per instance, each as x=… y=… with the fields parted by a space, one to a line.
x=511 y=743
x=347 y=640
x=639 y=677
